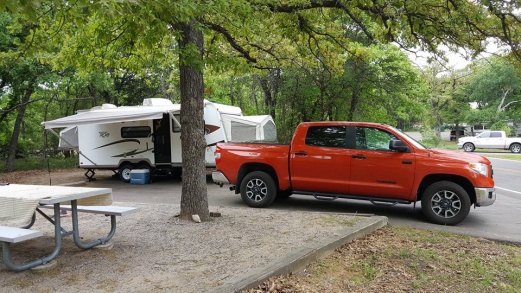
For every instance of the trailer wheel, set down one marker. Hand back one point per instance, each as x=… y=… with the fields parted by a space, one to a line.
x=124 y=172
x=515 y=148
x=445 y=203
x=258 y=189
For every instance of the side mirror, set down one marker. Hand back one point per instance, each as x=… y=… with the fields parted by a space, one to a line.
x=398 y=145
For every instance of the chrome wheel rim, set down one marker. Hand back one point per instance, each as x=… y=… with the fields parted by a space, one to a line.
x=256 y=190
x=516 y=148
x=468 y=147
x=126 y=174
x=446 y=204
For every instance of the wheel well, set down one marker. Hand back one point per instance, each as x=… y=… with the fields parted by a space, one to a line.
x=461 y=181
x=134 y=164
x=248 y=168
x=124 y=163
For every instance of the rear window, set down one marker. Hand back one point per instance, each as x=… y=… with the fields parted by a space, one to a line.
x=326 y=136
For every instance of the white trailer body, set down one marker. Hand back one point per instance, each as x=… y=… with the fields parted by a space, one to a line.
x=139 y=137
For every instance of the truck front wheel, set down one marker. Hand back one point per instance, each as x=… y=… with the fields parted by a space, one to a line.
x=468 y=147
x=515 y=148
x=258 y=189
x=445 y=203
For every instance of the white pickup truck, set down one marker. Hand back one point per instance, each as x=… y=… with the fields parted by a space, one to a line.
x=490 y=140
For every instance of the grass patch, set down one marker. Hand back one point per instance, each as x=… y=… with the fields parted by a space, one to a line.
x=41 y=163
x=401 y=259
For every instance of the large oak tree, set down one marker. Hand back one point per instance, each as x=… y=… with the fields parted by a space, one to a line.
x=257 y=33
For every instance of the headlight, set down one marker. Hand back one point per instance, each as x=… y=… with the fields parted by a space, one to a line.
x=480 y=168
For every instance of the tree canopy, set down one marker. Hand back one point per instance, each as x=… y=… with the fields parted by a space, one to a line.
x=177 y=42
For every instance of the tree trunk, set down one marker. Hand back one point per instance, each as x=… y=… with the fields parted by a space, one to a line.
x=13 y=144
x=194 y=198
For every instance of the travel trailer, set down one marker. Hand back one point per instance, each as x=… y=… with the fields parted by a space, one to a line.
x=149 y=136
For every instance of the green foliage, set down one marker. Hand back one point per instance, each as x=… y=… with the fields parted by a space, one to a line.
x=500 y=125
x=430 y=138
x=32 y=162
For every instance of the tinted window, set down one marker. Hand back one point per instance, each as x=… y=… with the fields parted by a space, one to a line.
x=135 y=131
x=327 y=136
x=495 y=134
x=373 y=139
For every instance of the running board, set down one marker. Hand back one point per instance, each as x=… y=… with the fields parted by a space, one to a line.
x=374 y=200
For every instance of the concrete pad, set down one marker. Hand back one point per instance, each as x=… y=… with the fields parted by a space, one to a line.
x=107 y=246
x=45 y=267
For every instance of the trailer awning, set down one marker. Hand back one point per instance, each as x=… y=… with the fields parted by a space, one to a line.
x=120 y=114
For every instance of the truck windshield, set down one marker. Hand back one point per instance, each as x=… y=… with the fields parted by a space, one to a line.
x=410 y=139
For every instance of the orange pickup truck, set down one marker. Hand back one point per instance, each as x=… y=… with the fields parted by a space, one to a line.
x=358 y=160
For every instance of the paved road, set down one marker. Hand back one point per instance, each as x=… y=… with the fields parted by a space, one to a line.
x=501 y=221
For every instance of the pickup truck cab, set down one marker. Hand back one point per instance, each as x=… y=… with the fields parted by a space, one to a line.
x=358 y=160
x=490 y=140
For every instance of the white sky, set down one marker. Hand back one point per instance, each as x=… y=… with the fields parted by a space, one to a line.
x=456 y=60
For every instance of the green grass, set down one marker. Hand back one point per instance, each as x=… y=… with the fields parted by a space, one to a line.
x=41 y=163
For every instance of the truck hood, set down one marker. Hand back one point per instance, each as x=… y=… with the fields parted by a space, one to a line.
x=459 y=156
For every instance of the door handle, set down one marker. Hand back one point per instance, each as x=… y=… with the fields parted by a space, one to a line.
x=363 y=157
x=301 y=153
x=407 y=162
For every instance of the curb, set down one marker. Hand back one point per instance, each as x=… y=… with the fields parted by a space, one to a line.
x=298 y=260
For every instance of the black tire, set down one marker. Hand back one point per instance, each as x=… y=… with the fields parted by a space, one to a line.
x=445 y=203
x=258 y=189
x=469 y=147
x=515 y=148
x=284 y=194
x=124 y=172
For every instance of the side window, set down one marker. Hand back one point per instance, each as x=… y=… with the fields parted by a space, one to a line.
x=326 y=136
x=135 y=131
x=175 y=127
x=495 y=134
x=485 y=135
x=373 y=139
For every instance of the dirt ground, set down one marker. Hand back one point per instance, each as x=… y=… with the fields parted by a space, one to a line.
x=43 y=177
x=154 y=252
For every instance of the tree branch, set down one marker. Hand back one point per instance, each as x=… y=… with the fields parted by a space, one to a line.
x=231 y=40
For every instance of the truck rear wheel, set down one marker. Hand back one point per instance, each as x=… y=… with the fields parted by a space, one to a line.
x=468 y=147
x=258 y=189
x=445 y=203
x=515 y=148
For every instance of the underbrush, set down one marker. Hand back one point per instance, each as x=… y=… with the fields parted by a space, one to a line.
x=42 y=163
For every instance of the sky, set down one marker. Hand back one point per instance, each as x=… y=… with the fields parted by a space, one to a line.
x=456 y=60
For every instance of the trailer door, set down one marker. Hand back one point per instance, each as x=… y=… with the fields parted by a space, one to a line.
x=162 y=151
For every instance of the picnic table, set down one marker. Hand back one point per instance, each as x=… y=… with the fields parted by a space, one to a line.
x=19 y=203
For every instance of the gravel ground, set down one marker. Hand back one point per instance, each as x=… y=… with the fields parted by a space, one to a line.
x=154 y=251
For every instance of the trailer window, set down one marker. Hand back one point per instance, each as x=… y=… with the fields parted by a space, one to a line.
x=135 y=131
x=175 y=127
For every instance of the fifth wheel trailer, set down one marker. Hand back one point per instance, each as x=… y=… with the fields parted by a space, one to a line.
x=149 y=136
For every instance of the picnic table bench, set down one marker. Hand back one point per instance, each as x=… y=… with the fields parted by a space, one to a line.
x=52 y=197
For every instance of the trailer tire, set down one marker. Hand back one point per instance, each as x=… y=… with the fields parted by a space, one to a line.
x=258 y=189
x=124 y=172
x=445 y=203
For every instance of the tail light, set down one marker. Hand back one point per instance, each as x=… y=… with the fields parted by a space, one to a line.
x=217 y=155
